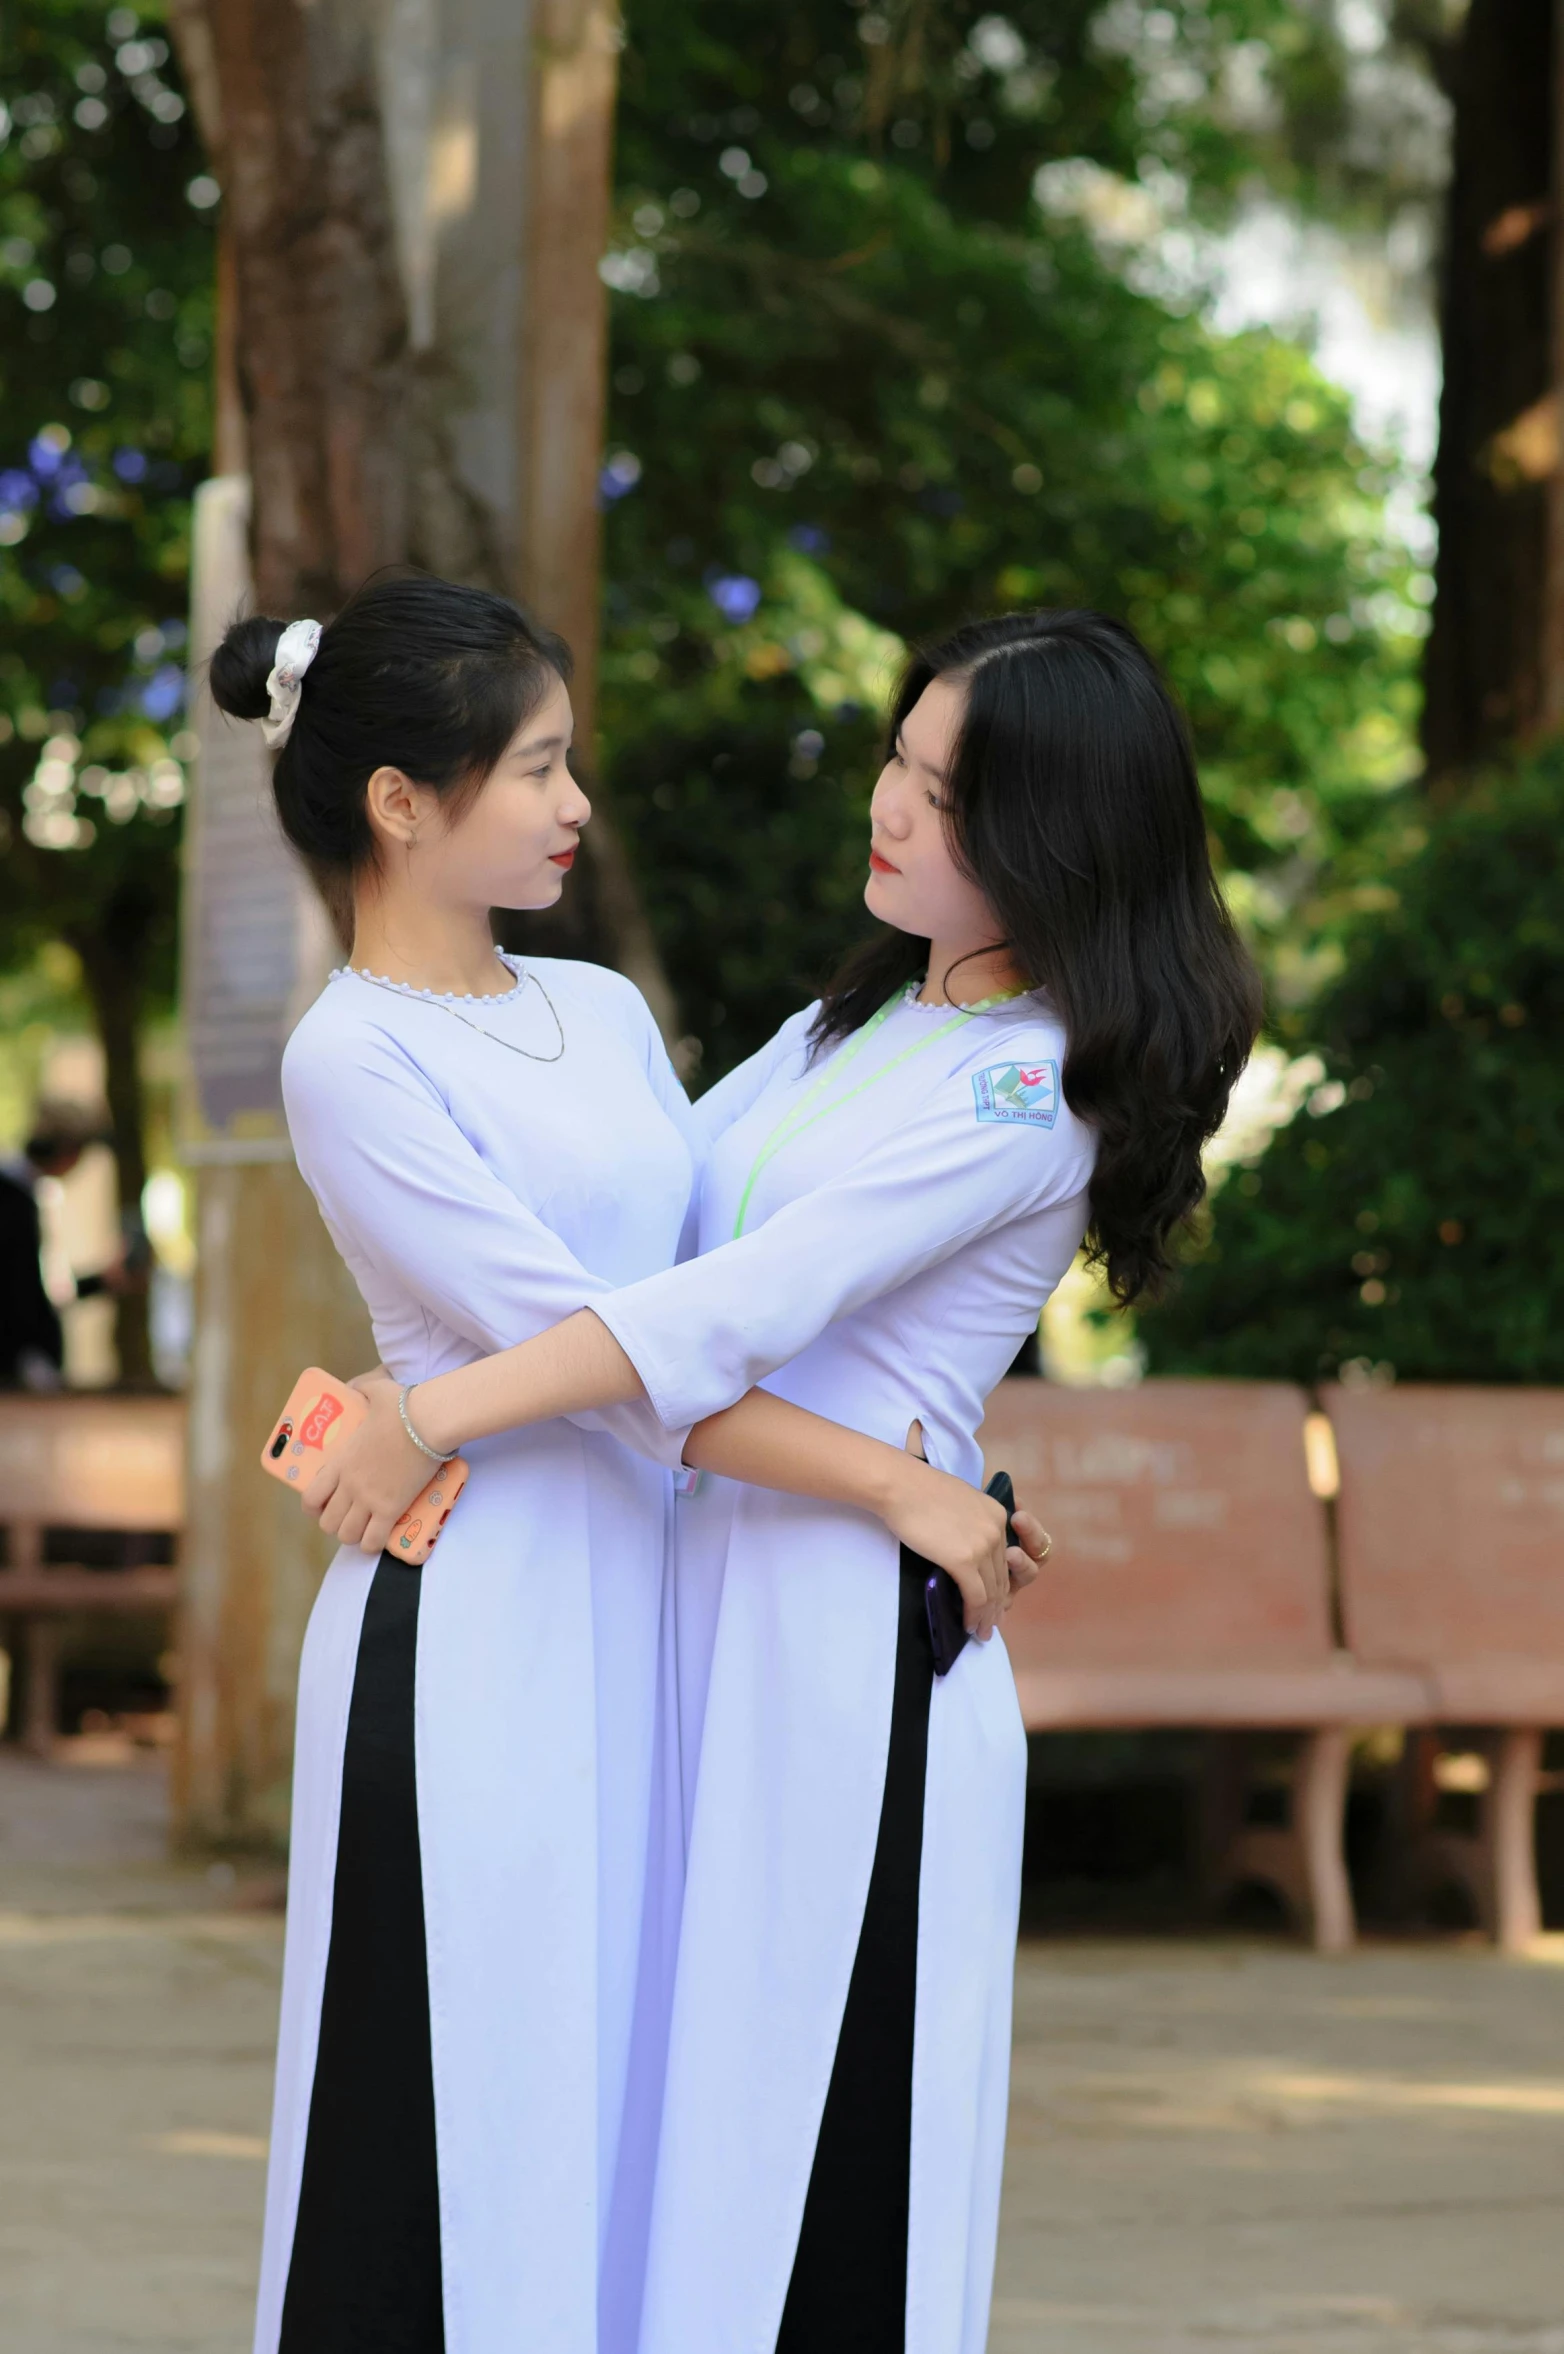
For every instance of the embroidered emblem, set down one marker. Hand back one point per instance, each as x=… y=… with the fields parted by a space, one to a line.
x=1018 y=1091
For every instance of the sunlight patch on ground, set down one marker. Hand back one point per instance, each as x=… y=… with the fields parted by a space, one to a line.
x=198 y=2143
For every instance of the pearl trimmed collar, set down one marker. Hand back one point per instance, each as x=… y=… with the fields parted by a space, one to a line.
x=512 y=964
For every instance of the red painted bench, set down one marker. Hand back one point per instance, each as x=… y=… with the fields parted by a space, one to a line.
x=1190 y=1585
x=1451 y=1533
x=81 y=1462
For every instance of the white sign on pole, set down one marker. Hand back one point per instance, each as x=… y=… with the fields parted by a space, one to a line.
x=245 y=917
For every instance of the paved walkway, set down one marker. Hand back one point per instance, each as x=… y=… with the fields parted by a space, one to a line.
x=1243 y=2147
x=1224 y=2147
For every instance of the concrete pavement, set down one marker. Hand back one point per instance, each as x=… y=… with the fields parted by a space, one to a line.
x=1245 y=2147
x=1218 y=2146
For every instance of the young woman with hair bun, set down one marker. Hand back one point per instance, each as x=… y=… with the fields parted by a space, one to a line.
x=1035 y=1046
x=458 y=2158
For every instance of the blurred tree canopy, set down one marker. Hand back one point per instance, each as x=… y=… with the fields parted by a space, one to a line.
x=1406 y=1223
x=910 y=319
x=1411 y=1220
x=907 y=325
x=106 y=259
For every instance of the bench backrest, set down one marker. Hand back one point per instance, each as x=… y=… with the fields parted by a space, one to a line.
x=93 y=1462
x=1450 y=1522
x=1185 y=1533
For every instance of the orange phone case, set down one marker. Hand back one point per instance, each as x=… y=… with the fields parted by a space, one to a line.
x=321 y=1410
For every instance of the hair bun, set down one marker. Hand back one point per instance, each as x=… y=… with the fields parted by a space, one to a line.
x=241 y=666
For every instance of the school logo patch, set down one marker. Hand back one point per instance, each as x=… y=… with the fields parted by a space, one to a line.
x=1018 y=1091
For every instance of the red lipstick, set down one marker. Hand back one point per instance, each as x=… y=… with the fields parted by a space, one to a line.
x=882 y=866
x=562 y=858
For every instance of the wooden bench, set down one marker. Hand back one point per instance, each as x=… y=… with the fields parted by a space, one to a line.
x=81 y=1462
x=1451 y=1532
x=1190 y=1585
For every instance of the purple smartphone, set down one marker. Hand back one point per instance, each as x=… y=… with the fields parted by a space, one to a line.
x=942 y=1595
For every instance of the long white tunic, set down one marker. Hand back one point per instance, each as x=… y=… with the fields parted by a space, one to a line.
x=896 y=1252
x=477 y=1197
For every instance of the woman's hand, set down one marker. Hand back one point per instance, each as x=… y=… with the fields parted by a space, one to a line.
x=963 y=1531
x=1031 y=1549
x=370 y=1477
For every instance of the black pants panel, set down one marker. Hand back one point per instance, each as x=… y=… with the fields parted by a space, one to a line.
x=365 y=2272
x=848 y=2293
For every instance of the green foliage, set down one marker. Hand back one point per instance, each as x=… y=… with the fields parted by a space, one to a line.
x=848 y=336
x=105 y=328
x=865 y=381
x=1419 y=1224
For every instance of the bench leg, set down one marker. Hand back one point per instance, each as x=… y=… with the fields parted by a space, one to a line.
x=1511 y=1805
x=1305 y=1862
x=1494 y=1863
x=42 y=1718
x=1402 y=1848
x=1223 y=1786
x=1319 y=1819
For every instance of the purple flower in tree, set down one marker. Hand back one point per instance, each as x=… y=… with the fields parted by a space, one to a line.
x=164 y=692
x=66 y=491
x=621 y=472
x=734 y=594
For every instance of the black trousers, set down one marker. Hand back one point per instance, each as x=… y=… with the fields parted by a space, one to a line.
x=848 y=2293
x=365 y=2272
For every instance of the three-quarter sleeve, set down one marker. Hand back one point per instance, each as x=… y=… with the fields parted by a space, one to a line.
x=402 y=1188
x=703 y=1333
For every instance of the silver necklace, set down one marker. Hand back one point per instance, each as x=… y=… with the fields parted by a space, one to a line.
x=443 y=1006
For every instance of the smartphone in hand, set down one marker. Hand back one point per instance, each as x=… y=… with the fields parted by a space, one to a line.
x=320 y=1411
x=942 y=1595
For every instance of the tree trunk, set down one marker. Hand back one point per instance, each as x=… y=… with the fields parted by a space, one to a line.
x=362 y=451
x=349 y=455
x=563 y=415
x=1498 y=422
x=1551 y=712
x=313 y=386
x=322 y=326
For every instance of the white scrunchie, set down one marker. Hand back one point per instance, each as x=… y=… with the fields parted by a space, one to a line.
x=295 y=652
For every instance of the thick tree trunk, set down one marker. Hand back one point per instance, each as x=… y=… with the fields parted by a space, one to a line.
x=348 y=449
x=322 y=339
x=1498 y=419
x=1551 y=698
x=313 y=403
x=350 y=439
x=563 y=417
x=563 y=404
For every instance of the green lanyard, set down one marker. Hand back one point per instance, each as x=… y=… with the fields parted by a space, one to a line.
x=792 y=1124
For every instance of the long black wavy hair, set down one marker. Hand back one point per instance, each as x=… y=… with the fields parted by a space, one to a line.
x=1073 y=803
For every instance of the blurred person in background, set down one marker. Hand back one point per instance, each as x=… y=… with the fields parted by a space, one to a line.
x=32 y=1343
